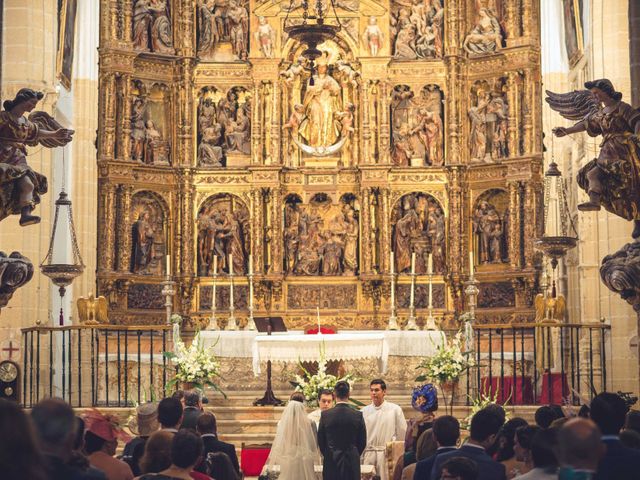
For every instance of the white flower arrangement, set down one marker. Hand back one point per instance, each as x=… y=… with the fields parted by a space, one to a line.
x=479 y=403
x=449 y=362
x=311 y=385
x=194 y=364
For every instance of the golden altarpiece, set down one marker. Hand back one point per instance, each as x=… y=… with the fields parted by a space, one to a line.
x=417 y=131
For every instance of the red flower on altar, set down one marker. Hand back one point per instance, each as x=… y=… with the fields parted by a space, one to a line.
x=323 y=330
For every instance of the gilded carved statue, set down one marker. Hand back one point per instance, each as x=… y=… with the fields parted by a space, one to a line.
x=152 y=26
x=489 y=120
x=20 y=186
x=373 y=37
x=486 y=35
x=265 y=35
x=489 y=228
x=419 y=227
x=417 y=29
x=612 y=179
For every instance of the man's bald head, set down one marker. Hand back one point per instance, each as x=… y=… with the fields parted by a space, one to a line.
x=580 y=444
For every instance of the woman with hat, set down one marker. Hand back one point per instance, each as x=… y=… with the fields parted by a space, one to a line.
x=425 y=400
x=142 y=425
x=100 y=442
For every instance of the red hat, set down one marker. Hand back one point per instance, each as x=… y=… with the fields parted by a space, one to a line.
x=104 y=426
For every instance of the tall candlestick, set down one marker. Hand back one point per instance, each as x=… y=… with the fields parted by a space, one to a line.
x=251 y=325
x=213 y=323
x=215 y=265
x=231 y=264
x=393 y=319
x=430 y=265
x=471 y=263
x=250 y=264
x=411 y=321
x=232 y=324
x=413 y=263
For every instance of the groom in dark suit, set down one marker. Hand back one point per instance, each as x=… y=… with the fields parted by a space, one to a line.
x=342 y=437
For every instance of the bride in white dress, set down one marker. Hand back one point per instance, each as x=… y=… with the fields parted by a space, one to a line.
x=295 y=448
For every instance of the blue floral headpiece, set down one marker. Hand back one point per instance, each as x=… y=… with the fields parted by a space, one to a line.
x=425 y=398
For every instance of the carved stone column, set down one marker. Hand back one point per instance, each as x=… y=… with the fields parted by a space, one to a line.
x=266 y=199
x=366 y=124
x=385 y=230
x=456 y=227
x=123 y=233
x=383 y=122
x=529 y=110
x=109 y=13
x=274 y=152
x=184 y=238
x=257 y=117
x=106 y=234
x=184 y=97
x=125 y=121
x=529 y=223
x=514 y=224
x=367 y=234
x=276 y=231
x=513 y=83
x=183 y=16
x=512 y=20
x=530 y=19
x=452 y=30
x=257 y=223
x=454 y=107
x=107 y=121
x=127 y=22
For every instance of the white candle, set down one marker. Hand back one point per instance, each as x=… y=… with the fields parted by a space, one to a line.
x=413 y=263
x=430 y=289
x=430 y=267
x=392 y=266
x=250 y=283
x=250 y=264
x=318 y=316
x=231 y=264
x=215 y=264
x=168 y=266
x=471 y=263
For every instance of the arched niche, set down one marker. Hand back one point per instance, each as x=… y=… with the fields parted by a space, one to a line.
x=150 y=123
x=321 y=237
x=223 y=227
x=490 y=224
x=149 y=214
x=418 y=227
x=417 y=126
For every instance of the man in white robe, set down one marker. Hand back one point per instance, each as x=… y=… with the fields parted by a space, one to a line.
x=325 y=402
x=385 y=422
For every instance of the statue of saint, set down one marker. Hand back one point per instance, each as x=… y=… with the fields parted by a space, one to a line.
x=373 y=37
x=265 y=35
x=138 y=129
x=488 y=226
x=207 y=29
x=142 y=243
x=238 y=19
x=321 y=102
x=152 y=26
x=486 y=36
x=332 y=255
x=210 y=152
x=405 y=230
x=141 y=24
x=350 y=256
x=291 y=237
x=20 y=186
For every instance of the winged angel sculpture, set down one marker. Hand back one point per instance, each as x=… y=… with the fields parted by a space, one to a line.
x=613 y=179
x=20 y=186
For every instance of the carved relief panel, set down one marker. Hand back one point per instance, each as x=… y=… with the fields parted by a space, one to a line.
x=489 y=122
x=148 y=234
x=223 y=227
x=224 y=127
x=152 y=30
x=418 y=226
x=222 y=30
x=417 y=29
x=490 y=227
x=321 y=238
x=487 y=32
x=417 y=137
x=150 y=124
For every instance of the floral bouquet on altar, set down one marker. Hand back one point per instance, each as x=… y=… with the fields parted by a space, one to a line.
x=446 y=366
x=195 y=365
x=481 y=402
x=311 y=385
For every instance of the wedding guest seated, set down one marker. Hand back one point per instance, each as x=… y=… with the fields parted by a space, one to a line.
x=630 y=439
x=522 y=444
x=186 y=453
x=78 y=458
x=54 y=423
x=546 y=414
x=220 y=467
x=485 y=426
x=580 y=448
x=192 y=409
x=100 y=443
x=157 y=452
x=609 y=411
x=426 y=447
x=446 y=431
x=325 y=402
x=459 y=468
x=20 y=457
x=143 y=425
x=170 y=414
x=425 y=400
x=207 y=427
x=542 y=448
x=506 y=454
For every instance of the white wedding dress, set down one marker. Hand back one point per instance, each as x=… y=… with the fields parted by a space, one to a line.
x=295 y=448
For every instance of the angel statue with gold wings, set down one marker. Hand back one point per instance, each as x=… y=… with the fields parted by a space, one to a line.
x=550 y=314
x=20 y=186
x=613 y=179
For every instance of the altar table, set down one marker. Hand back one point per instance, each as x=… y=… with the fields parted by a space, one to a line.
x=346 y=345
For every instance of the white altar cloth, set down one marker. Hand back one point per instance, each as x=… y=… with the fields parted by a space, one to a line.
x=402 y=343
